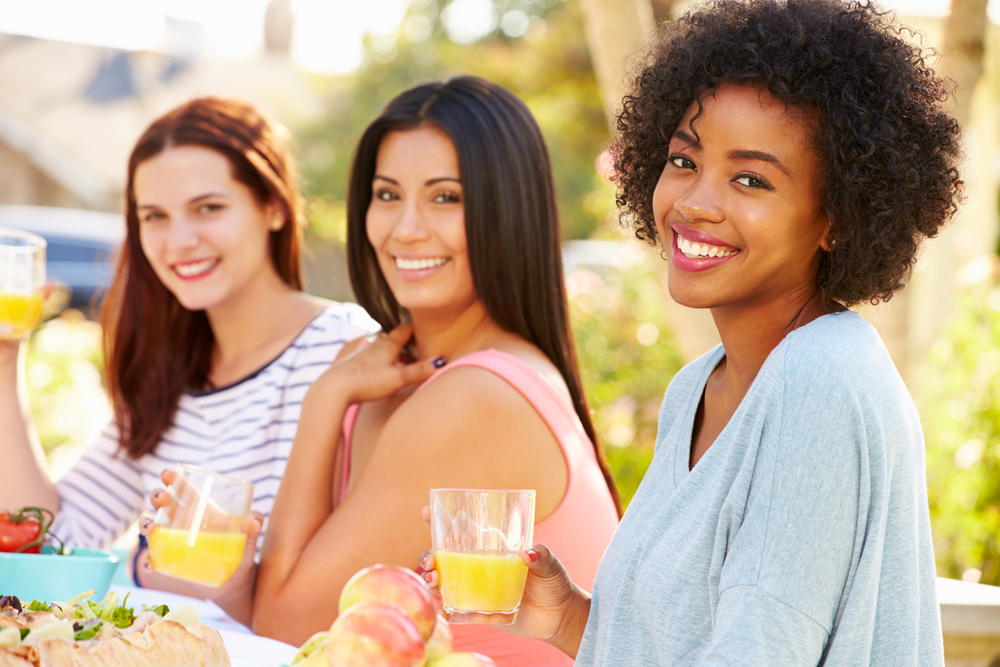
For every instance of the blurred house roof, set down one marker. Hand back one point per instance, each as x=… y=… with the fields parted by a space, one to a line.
x=75 y=110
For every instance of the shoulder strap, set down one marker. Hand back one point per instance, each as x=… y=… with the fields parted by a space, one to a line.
x=551 y=405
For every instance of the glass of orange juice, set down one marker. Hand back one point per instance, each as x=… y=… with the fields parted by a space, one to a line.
x=201 y=534
x=478 y=536
x=22 y=282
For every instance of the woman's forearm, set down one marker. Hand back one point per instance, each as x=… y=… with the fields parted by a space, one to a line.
x=24 y=478
x=305 y=498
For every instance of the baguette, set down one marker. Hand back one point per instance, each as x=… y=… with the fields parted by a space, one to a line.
x=149 y=642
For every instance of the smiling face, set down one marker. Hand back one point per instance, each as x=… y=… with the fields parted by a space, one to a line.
x=204 y=233
x=416 y=221
x=738 y=208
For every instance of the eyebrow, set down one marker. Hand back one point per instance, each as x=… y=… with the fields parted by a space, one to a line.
x=190 y=201
x=757 y=155
x=762 y=156
x=429 y=182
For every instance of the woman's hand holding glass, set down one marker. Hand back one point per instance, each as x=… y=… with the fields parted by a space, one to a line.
x=553 y=609
x=236 y=592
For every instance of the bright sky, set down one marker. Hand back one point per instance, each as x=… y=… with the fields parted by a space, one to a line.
x=327 y=35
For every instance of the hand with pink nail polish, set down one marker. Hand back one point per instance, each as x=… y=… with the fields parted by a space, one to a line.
x=553 y=608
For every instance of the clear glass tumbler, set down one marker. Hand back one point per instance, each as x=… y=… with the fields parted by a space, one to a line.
x=22 y=282
x=478 y=536
x=201 y=534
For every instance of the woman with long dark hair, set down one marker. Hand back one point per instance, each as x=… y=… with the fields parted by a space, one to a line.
x=209 y=341
x=454 y=248
x=787 y=157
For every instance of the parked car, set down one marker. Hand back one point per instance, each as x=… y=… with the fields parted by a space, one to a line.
x=81 y=249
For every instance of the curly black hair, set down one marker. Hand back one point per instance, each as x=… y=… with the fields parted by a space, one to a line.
x=889 y=149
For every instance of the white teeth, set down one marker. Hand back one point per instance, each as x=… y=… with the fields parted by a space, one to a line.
x=417 y=264
x=188 y=270
x=701 y=249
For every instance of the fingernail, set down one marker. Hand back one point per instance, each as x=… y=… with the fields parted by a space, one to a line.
x=439 y=362
x=532 y=555
x=427 y=577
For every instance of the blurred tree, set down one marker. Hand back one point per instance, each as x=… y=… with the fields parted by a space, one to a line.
x=959 y=402
x=536 y=48
x=616 y=30
x=627 y=358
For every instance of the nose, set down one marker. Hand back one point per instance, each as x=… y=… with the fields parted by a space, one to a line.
x=181 y=234
x=700 y=202
x=411 y=226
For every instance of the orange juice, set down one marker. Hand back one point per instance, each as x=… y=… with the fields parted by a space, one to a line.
x=18 y=314
x=210 y=561
x=477 y=581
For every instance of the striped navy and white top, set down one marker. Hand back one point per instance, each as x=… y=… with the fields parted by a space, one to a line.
x=244 y=430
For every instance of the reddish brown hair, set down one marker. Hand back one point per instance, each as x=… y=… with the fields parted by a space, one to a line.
x=154 y=348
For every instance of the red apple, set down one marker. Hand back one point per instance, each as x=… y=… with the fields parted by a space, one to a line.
x=440 y=642
x=374 y=633
x=462 y=660
x=393 y=584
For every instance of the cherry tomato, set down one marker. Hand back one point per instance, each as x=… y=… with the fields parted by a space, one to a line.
x=23 y=531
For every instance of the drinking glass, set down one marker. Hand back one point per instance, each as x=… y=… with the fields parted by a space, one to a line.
x=22 y=282
x=200 y=535
x=478 y=536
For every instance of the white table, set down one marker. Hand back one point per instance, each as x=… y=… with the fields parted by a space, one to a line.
x=245 y=648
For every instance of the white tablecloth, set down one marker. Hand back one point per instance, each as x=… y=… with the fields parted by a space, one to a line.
x=245 y=648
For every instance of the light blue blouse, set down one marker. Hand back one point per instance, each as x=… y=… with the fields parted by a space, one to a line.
x=802 y=535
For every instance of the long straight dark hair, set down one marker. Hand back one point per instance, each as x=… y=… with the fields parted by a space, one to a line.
x=154 y=348
x=511 y=220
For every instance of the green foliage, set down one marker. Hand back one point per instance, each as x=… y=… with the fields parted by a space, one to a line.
x=960 y=409
x=548 y=67
x=64 y=365
x=627 y=358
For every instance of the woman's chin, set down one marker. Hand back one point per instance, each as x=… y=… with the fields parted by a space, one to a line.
x=690 y=298
x=196 y=302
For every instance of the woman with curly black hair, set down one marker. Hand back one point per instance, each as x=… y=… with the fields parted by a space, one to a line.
x=787 y=156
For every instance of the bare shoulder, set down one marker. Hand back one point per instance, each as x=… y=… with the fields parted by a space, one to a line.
x=465 y=401
x=462 y=394
x=470 y=428
x=535 y=358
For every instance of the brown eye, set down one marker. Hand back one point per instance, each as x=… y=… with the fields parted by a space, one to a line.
x=446 y=198
x=752 y=181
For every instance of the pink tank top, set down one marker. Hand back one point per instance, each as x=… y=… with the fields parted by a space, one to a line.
x=577 y=531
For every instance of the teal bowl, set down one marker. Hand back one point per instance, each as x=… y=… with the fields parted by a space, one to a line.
x=53 y=578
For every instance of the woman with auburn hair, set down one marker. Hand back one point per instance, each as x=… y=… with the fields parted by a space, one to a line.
x=209 y=341
x=787 y=157
x=454 y=248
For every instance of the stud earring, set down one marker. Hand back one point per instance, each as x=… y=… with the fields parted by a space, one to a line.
x=277 y=224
